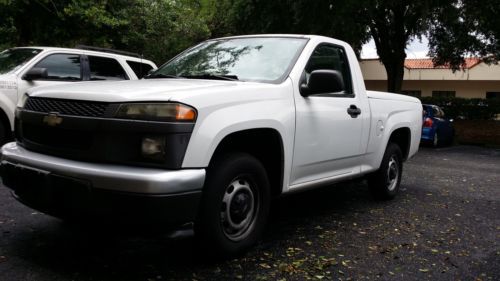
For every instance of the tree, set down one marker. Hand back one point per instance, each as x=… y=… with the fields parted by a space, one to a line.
x=158 y=29
x=465 y=28
x=61 y=23
x=337 y=19
x=7 y=28
x=391 y=23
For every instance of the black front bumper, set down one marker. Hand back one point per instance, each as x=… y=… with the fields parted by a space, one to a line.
x=68 y=198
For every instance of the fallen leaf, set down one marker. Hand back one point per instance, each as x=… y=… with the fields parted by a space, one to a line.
x=265 y=265
x=423 y=270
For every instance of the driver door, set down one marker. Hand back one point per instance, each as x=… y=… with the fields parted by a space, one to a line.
x=327 y=139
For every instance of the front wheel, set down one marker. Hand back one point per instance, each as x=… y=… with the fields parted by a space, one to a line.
x=5 y=134
x=235 y=205
x=384 y=183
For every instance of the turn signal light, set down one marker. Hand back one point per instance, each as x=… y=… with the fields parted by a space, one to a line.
x=185 y=113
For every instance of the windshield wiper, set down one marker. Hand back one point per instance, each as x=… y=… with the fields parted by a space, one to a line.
x=213 y=76
x=160 y=75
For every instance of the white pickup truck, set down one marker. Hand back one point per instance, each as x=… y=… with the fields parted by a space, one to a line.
x=211 y=137
x=28 y=67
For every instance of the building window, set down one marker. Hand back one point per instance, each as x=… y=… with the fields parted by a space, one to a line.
x=413 y=93
x=493 y=95
x=443 y=94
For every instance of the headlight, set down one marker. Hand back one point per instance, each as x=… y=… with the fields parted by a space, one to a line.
x=167 y=112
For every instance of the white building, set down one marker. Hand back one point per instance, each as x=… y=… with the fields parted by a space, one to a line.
x=421 y=78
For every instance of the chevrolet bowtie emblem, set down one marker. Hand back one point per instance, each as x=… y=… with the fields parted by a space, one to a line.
x=52 y=119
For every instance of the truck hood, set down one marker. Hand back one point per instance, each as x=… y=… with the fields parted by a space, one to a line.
x=140 y=90
x=391 y=96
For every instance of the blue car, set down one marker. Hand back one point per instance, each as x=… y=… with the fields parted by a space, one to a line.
x=437 y=130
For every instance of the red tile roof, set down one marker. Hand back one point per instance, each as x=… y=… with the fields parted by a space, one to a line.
x=428 y=64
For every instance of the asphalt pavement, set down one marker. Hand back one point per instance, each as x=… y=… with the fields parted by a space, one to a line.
x=444 y=225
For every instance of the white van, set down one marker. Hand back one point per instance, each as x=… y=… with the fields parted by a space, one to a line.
x=27 y=67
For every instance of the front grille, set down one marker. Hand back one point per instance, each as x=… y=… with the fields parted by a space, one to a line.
x=66 y=107
x=57 y=137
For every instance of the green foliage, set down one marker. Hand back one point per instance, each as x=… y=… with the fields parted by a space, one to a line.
x=469 y=109
x=165 y=28
x=158 y=29
x=7 y=27
x=464 y=28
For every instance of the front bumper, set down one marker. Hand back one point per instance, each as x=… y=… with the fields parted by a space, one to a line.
x=67 y=188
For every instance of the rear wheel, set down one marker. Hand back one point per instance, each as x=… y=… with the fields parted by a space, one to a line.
x=235 y=205
x=435 y=140
x=384 y=183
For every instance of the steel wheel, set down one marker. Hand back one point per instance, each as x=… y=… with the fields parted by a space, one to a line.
x=392 y=173
x=384 y=183
x=240 y=206
x=235 y=205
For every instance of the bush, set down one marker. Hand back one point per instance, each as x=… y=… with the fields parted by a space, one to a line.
x=468 y=109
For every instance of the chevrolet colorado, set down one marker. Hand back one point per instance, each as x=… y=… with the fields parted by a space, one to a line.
x=211 y=137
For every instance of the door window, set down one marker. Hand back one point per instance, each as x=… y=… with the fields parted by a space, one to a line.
x=66 y=67
x=105 y=69
x=140 y=69
x=330 y=57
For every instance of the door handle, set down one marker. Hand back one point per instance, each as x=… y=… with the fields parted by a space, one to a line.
x=354 y=111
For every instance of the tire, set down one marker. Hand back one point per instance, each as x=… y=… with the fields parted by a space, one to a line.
x=436 y=142
x=4 y=134
x=234 y=207
x=384 y=183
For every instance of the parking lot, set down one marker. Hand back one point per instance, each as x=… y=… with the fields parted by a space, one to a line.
x=444 y=225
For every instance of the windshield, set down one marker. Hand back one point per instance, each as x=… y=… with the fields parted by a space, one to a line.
x=12 y=59
x=259 y=59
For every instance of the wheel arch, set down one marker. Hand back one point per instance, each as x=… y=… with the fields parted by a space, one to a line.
x=6 y=120
x=402 y=137
x=265 y=144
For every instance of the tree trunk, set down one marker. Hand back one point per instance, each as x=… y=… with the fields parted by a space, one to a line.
x=395 y=73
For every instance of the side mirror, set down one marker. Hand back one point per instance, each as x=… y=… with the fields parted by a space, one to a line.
x=322 y=82
x=36 y=73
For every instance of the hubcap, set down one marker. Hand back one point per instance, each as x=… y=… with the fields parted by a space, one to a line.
x=392 y=173
x=239 y=209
